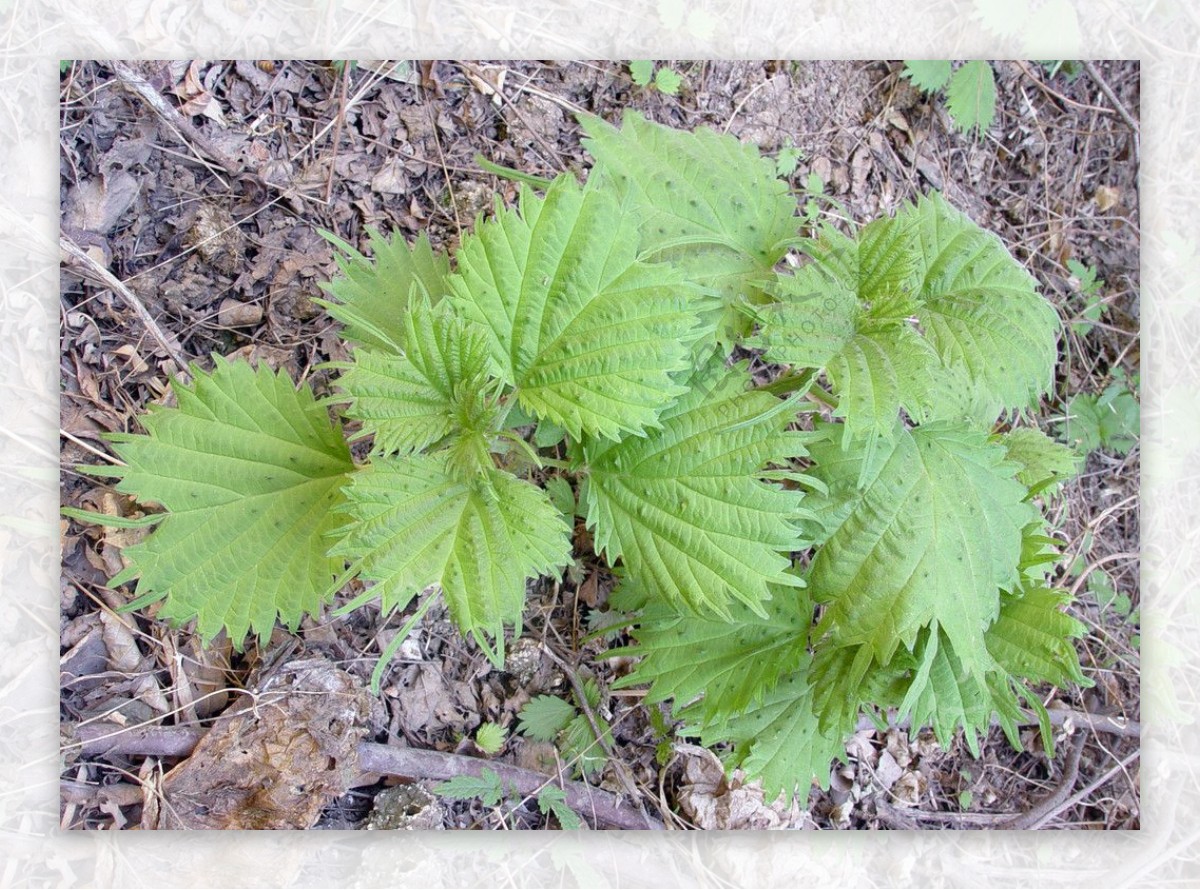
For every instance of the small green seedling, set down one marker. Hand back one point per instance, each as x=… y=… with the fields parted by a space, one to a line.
x=786 y=161
x=1088 y=286
x=1110 y=421
x=546 y=718
x=489 y=789
x=489 y=738
x=970 y=90
x=662 y=78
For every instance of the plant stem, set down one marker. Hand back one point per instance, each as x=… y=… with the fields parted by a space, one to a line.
x=786 y=383
x=386 y=655
x=792 y=382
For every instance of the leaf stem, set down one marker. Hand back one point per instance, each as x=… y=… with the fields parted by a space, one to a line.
x=394 y=645
x=792 y=382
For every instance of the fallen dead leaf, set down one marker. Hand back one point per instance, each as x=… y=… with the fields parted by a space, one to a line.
x=908 y=789
x=1107 y=198
x=711 y=801
x=97 y=205
x=887 y=771
x=123 y=652
x=277 y=759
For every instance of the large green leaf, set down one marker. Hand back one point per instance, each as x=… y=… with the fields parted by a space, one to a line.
x=924 y=531
x=945 y=697
x=413 y=521
x=371 y=296
x=980 y=308
x=587 y=334
x=1040 y=458
x=698 y=186
x=879 y=264
x=250 y=470
x=778 y=739
x=793 y=734
x=1031 y=643
x=849 y=312
x=928 y=75
x=437 y=387
x=684 y=507
x=1031 y=638
x=684 y=656
x=705 y=202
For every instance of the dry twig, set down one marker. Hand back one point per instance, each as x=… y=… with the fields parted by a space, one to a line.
x=88 y=267
x=164 y=741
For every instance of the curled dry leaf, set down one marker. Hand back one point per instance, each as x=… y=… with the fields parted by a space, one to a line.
x=96 y=205
x=123 y=652
x=277 y=759
x=710 y=800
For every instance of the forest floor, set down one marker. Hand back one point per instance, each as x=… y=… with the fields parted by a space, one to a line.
x=195 y=194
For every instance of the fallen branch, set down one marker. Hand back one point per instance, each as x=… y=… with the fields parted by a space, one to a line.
x=1111 y=95
x=97 y=739
x=601 y=806
x=1057 y=800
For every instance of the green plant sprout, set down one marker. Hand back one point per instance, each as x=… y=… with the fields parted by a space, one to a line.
x=489 y=788
x=665 y=79
x=861 y=535
x=489 y=738
x=546 y=718
x=1088 y=285
x=1110 y=421
x=970 y=90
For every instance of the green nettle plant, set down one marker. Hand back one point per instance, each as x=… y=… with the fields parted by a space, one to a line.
x=861 y=534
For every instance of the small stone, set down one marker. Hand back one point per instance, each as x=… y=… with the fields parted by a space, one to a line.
x=236 y=314
x=406 y=808
x=523 y=660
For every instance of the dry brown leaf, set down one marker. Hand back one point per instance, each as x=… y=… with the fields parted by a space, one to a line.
x=123 y=652
x=589 y=590
x=137 y=364
x=277 y=760
x=887 y=771
x=713 y=802
x=908 y=789
x=97 y=205
x=1107 y=198
x=424 y=699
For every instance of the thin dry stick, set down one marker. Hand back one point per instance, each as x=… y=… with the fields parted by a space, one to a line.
x=1112 y=557
x=1055 y=94
x=1120 y=767
x=337 y=130
x=189 y=134
x=511 y=104
x=601 y=740
x=581 y=797
x=88 y=266
x=437 y=141
x=1119 y=106
x=1057 y=800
